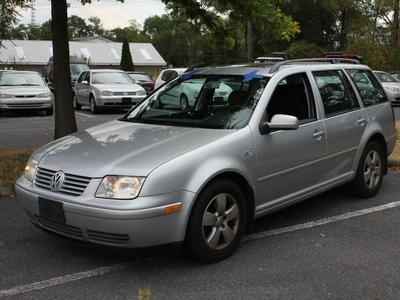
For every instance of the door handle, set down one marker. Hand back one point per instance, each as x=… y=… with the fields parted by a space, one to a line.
x=318 y=134
x=361 y=121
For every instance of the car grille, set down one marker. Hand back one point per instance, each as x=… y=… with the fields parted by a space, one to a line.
x=108 y=238
x=66 y=230
x=124 y=93
x=72 y=185
x=25 y=96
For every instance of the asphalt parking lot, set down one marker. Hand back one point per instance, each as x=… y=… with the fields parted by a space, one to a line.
x=330 y=247
x=333 y=246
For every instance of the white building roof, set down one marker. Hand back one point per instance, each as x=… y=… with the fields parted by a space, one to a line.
x=100 y=54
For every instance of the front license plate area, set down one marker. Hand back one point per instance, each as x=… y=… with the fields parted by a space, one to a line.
x=51 y=210
x=126 y=100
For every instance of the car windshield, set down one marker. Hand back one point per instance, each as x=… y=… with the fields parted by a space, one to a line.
x=204 y=101
x=111 y=78
x=139 y=77
x=78 y=68
x=385 y=77
x=21 y=79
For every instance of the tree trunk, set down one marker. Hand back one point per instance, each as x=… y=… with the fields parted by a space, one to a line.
x=249 y=40
x=65 y=122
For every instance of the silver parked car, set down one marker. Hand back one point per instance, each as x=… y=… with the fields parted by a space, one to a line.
x=24 y=90
x=104 y=88
x=200 y=177
x=391 y=86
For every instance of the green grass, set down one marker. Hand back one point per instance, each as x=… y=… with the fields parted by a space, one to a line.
x=12 y=163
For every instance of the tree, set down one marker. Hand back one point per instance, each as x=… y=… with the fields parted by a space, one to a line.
x=65 y=122
x=126 y=57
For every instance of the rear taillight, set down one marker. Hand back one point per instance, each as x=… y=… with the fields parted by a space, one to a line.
x=151 y=85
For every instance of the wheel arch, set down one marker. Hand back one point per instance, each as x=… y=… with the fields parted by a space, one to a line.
x=378 y=138
x=246 y=189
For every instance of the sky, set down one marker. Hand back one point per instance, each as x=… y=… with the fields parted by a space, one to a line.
x=112 y=14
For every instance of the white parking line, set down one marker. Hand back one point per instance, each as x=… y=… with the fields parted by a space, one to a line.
x=113 y=268
x=85 y=115
x=63 y=279
x=322 y=221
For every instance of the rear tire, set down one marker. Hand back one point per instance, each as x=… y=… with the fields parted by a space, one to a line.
x=370 y=171
x=217 y=222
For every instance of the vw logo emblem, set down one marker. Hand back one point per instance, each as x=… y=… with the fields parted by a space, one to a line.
x=125 y=93
x=57 y=180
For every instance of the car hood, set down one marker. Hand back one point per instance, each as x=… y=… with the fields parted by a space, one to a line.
x=122 y=148
x=25 y=90
x=118 y=87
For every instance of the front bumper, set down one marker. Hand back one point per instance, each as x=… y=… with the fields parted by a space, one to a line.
x=34 y=103
x=118 y=101
x=90 y=221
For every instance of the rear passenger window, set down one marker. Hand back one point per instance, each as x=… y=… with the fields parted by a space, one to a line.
x=368 y=87
x=336 y=92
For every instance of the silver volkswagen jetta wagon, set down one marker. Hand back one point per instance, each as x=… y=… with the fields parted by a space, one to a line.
x=199 y=175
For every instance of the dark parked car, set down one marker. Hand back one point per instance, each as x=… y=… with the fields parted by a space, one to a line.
x=141 y=78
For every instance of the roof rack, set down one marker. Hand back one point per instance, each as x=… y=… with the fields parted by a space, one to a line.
x=229 y=61
x=335 y=60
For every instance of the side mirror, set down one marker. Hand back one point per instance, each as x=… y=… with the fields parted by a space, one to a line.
x=85 y=82
x=279 y=122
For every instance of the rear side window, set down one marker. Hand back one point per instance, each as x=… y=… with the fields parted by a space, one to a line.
x=336 y=92
x=368 y=87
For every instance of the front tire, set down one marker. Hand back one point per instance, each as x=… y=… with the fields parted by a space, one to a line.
x=217 y=222
x=49 y=112
x=370 y=171
x=93 y=106
x=77 y=106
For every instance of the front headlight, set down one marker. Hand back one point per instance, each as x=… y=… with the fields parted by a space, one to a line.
x=391 y=89
x=141 y=93
x=6 y=95
x=44 y=95
x=107 y=93
x=30 y=169
x=119 y=187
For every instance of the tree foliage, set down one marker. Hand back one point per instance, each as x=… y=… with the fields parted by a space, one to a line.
x=9 y=16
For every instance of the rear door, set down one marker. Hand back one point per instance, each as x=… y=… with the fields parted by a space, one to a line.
x=345 y=122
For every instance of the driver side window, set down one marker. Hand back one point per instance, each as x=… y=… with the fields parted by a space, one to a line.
x=292 y=96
